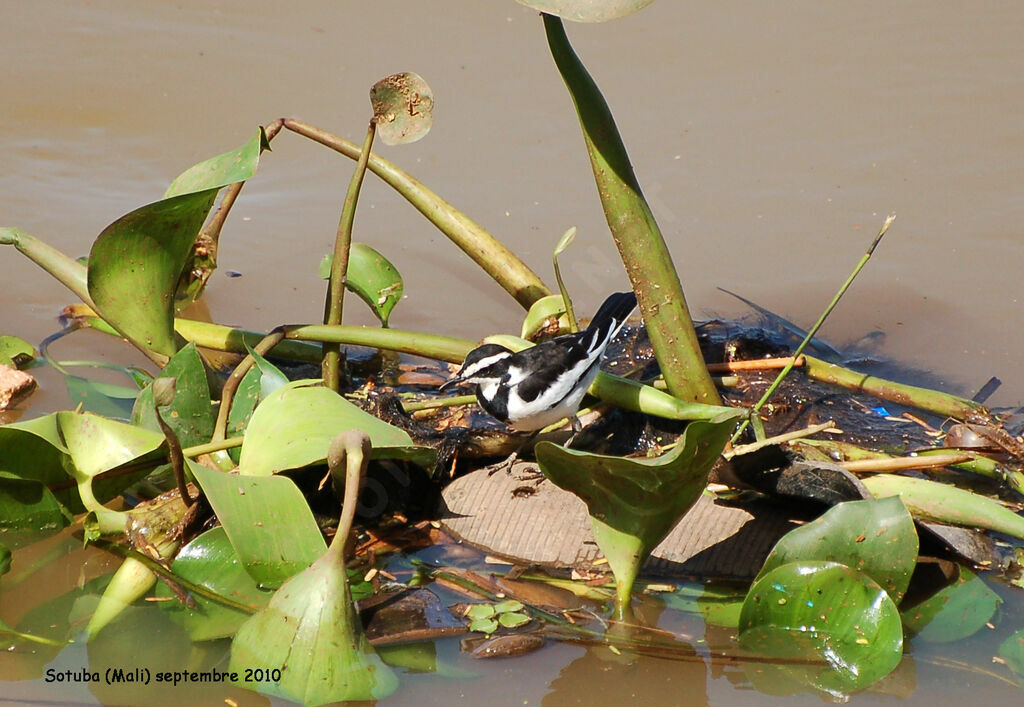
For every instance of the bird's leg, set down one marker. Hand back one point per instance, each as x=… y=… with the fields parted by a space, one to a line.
x=507 y=463
x=577 y=427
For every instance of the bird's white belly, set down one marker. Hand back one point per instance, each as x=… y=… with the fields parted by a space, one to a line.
x=548 y=408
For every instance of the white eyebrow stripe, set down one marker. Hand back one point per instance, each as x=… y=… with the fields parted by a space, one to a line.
x=483 y=363
x=490 y=360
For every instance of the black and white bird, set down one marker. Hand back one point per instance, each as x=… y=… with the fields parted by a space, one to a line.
x=539 y=386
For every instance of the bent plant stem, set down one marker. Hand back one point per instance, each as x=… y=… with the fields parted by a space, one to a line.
x=500 y=263
x=339 y=266
x=817 y=325
x=637 y=236
x=174 y=453
x=227 y=394
x=351 y=449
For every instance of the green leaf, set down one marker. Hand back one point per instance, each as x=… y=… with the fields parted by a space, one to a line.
x=101 y=398
x=956 y=611
x=191 y=414
x=634 y=503
x=509 y=605
x=876 y=537
x=211 y=561
x=547 y=312
x=480 y=611
x=487 y=626
x=513 y=619
x=374 y=279
x=641 y=244
x=371 y=276
x=15 y=352
x=244 y=402
x=216 y=172
x=27 y=505
x=403 y=108
x=1012 y=651
x=718 y=605
x=827 y=612
x=930 y=500
x=271 y=377
x=64 y=445
x=260 y=381
x=5 y=560
x=295 y=425
x=310 y=632
x=587 y=10
x=267 y=520
x=135 y=263
x=97 y=444
x=33 y=449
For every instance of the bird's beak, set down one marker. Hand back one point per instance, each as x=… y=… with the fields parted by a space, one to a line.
x=448 y=384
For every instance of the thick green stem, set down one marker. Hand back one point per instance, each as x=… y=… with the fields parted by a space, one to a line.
x=68 y=271
x=444 y=348
x=641 y=245
x=921 y=398
x=339 y=265
x=224 y=338
x=211 y=447
x=497 y=261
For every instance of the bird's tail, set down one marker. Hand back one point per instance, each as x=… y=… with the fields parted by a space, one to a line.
x=612 y=314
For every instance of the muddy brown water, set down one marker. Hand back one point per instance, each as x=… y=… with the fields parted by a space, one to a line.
x=771 y=142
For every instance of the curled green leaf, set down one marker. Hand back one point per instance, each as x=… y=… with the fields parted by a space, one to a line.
x=634 y=503
x=546 y=314
x=372 y=277
x=135 y=263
